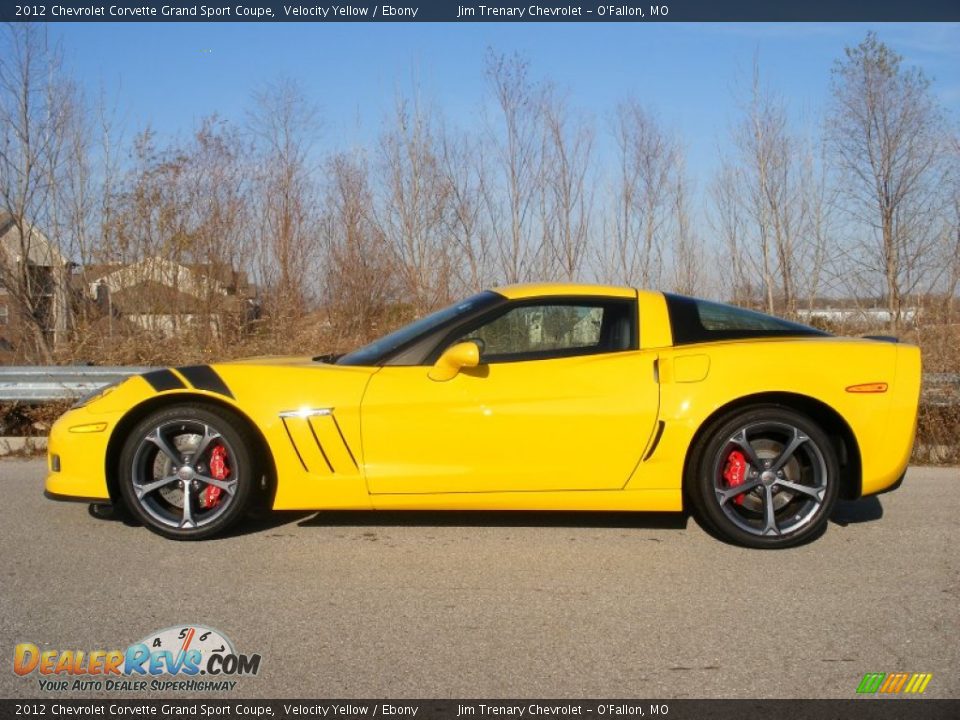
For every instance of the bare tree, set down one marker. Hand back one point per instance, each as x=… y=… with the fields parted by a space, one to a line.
x=770 y=189
x=75 y=216
x=149 y=227
x=729 y=222
x=951 y=233
x=412 y=214
x=887 y=133
x=687 y=250
x=465 y=169
x=96 y=242
x=217 y=197
x=567 y=193
x=643 y=213
x=817 y=252
x=38 y=109
x=84 y=215
x=358 y=281
x=147 y=217
x=283 y=123
x=512 y=202
x=177 y=240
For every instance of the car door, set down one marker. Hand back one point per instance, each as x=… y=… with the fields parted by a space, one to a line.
x=562 y=399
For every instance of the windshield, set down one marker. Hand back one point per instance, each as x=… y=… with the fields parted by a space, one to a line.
x=379 y=350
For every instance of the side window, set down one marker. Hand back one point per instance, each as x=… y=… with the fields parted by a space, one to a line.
x=550 y=330
x=697 y=321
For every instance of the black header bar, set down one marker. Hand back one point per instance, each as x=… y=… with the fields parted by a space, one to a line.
x=486 y=11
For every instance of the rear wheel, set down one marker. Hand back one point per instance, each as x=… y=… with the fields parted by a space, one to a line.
x=765 y=477
x=187 y=472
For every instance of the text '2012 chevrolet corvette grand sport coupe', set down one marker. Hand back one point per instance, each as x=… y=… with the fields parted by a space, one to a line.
x=532 y=397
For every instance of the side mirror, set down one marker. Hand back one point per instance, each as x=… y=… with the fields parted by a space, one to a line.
x=455 y=357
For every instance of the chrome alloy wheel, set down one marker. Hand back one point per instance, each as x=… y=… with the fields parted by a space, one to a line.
x=770 y=478
x=183 y=474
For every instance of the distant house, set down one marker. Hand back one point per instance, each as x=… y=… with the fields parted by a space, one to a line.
x=34 y=279
x=165 y=297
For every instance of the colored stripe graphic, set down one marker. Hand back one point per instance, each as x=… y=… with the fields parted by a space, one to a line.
x=204 y=377
x=162 y=380
x=871 y=683
x=894 y=683
x=918 y=683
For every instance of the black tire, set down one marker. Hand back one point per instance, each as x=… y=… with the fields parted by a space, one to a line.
x=166 y=477
x=784 y=467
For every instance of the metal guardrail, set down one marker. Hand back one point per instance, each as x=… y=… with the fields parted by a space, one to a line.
x=47 y=382
x=941 y=389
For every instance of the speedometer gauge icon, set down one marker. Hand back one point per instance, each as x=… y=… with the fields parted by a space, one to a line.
x=181 y=639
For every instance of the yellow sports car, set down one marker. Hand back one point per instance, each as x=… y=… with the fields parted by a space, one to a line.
x=532 y=397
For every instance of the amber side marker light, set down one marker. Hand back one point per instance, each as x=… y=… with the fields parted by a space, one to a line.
x=878 y=387
x=89 y=428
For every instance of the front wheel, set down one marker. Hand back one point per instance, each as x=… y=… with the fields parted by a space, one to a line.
x=187 y=471
x=765 y=477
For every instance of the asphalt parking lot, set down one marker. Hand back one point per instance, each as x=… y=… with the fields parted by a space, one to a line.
x=491 y=605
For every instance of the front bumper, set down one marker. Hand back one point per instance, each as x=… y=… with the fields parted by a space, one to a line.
x=76 y=499
x=76 y=457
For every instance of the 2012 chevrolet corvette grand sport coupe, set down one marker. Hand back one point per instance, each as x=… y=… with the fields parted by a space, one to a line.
x=533 y=397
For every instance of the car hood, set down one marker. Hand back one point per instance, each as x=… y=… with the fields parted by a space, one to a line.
x=275 y=360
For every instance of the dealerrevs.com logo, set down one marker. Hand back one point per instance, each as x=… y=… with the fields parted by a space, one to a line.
x=191 y=658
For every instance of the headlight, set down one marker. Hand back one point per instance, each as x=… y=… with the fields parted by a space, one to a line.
x=94 y=395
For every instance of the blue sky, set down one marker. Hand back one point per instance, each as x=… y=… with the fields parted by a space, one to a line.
x=171 y=75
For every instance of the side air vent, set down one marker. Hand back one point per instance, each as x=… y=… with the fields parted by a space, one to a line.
x=319 y=442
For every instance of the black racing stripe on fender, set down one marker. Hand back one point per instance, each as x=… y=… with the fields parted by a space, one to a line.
x=162 y=380
x=204 y=377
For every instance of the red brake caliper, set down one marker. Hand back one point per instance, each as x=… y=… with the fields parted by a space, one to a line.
x=735 y=471
x=218 y=471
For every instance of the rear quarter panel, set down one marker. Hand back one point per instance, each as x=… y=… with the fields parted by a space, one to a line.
x=698 y=380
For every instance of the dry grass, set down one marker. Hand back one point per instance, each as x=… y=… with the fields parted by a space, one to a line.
x=938 y=436
x=19 y=419
x=938 y=429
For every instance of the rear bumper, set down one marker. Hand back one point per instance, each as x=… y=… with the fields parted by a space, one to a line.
x=896 y=485
x=885 y=461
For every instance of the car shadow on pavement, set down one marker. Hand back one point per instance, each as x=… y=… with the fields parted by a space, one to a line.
x=254 y=523
x=852 y=512
x=846 y=512
x=112 y=513
x=267 y=520
x=493 y=518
